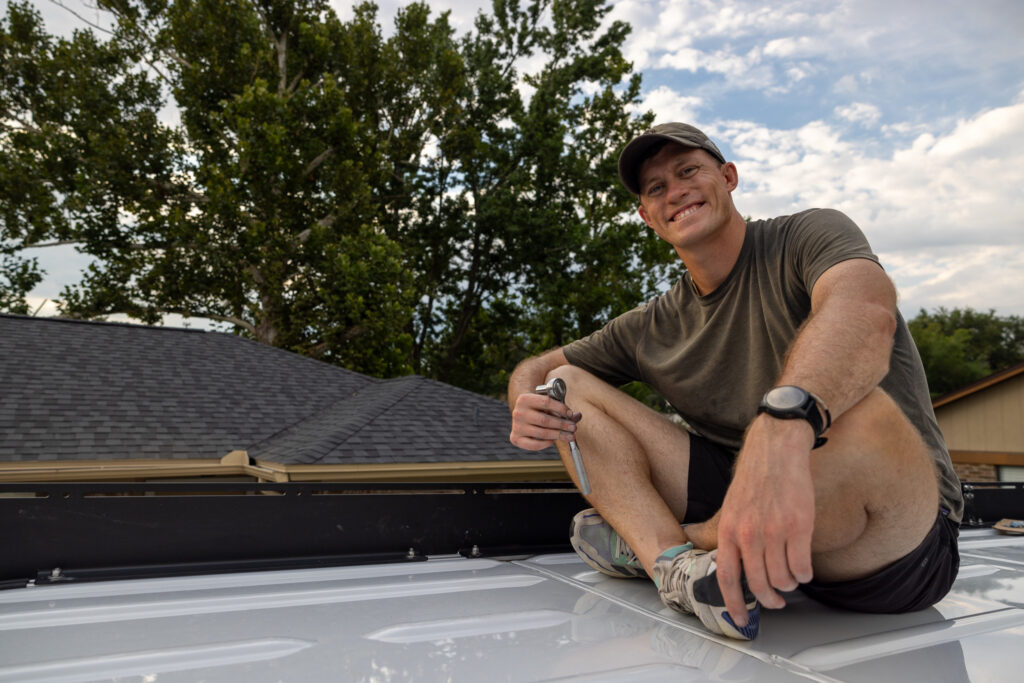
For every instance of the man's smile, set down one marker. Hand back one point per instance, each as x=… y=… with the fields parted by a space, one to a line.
x=685 y=211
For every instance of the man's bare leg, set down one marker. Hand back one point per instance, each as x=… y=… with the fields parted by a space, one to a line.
x=876 y=493
x=637 y=462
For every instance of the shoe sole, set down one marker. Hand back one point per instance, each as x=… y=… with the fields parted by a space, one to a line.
x=708 y=595
x=590 y=555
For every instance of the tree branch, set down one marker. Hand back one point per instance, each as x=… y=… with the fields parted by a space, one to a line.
x=151 y=63
x=58 y=243
x=318 y=161
x=81 y=18
x=281 y=46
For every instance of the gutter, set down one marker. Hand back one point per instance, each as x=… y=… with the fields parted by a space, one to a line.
x=238 y=464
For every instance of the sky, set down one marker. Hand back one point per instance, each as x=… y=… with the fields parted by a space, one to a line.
x=908 y=116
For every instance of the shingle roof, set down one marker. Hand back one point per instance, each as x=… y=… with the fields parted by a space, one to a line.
x=84 y=390
x=410 y=419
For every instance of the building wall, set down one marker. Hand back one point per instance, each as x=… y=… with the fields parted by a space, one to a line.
x=976 y=472
x=991 y=420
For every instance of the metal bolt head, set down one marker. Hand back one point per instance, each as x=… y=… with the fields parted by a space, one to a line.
x=555 y=389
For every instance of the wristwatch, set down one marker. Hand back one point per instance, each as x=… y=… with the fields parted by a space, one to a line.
x=793 y=403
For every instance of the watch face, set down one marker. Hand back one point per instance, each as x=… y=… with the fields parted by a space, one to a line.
x=786 y=398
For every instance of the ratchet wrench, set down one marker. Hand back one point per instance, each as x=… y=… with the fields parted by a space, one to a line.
x=556 y=390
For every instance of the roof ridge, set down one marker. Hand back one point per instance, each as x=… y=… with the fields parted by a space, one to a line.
x=108 y=323
x=348 y=427
x=381 y=407
x=213 y=335
x=411 y=380
x=464 y=391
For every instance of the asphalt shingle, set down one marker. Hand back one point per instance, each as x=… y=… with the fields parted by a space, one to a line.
x=84 y=390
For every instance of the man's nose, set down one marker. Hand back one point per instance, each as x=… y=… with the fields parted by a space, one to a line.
x=676 y=189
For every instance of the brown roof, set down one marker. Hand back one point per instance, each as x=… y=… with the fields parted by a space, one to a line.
x=983 y=383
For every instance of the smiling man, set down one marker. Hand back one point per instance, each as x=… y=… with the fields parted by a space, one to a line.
x=811 y=458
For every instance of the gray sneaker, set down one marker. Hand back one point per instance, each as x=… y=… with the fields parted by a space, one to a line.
x=687 y=583
x=597 y=544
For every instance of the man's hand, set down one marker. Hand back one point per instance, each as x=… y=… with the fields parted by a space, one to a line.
x=767 y=518
x=538 y=421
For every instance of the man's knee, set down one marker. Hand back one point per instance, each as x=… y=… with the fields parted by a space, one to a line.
x=579 y=384
x=875 y=448
x=876 y=422
x=569 y=373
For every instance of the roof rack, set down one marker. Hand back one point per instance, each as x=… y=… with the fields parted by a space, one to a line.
x=91 y=531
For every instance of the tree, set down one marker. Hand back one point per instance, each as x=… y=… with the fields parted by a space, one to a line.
x=17 y=278
x=258 y=210
x=963 y=345
x=388 y=204
x=520 y=235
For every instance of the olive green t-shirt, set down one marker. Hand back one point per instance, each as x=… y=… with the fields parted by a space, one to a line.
x=713 y=357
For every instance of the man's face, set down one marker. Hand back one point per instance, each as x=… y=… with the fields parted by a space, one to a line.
x=685 y=195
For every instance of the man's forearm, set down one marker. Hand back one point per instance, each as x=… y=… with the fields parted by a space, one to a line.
x=842 y=352
x=532 y=372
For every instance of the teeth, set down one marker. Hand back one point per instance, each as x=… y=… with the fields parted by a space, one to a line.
x=684 y=214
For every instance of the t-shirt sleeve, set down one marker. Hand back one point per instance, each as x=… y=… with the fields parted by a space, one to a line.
x=610 y=352
x=824 y=237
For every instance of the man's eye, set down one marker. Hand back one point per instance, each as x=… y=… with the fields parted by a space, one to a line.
x=689 y=171
x=654 y=189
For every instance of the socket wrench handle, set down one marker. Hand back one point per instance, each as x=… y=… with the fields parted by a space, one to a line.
x=556 y=389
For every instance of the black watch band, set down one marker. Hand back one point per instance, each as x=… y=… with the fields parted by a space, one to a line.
x=793 y=403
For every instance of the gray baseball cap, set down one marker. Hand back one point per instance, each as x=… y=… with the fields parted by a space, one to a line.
x=636 y=152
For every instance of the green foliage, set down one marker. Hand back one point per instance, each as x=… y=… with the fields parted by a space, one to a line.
x=519 y=233
x=17 y=278
x=963 y=345
x=420 y=202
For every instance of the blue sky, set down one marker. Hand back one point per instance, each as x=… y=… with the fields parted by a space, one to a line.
x=907 y=115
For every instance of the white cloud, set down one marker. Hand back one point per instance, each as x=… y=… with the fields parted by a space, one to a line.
x=732 y=38
x=959 y=277
x=668 y=105
x=859 y=112
x=942 y=189
x=945 y=210
x=792 y=46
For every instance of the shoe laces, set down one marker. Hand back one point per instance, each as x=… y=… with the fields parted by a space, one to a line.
x=674 y=580
x=623 y=553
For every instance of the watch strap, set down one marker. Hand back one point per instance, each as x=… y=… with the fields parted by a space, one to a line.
x=812 y=409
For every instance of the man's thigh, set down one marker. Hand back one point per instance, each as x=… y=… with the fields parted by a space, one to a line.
x=876 y=491
x=618 y=432
x=914 y=582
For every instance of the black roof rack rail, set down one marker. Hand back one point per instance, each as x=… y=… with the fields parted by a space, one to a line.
x=59 y=532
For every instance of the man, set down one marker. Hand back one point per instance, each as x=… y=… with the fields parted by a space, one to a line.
x=812 y=458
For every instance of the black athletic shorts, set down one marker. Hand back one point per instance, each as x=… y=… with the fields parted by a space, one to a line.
x=916 y=581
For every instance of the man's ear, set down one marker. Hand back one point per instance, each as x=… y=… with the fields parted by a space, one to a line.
x=643 y=214
x=732 y=176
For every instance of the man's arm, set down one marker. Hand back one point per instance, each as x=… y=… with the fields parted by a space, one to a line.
x=840 y=354
x=538 y=421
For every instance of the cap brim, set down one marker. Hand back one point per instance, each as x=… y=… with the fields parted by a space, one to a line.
x=634 y=153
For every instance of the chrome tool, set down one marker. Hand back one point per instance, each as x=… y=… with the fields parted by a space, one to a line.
x=556 y=389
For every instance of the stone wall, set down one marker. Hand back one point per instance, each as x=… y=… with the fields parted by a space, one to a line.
x=975 y=472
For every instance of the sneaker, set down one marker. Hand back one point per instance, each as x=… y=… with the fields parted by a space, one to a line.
x=601 y=548
x=687 y=583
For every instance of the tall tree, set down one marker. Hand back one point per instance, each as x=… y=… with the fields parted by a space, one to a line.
x=520 y=234
x=257 y=210
x=962 y=345
x=417 y=201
